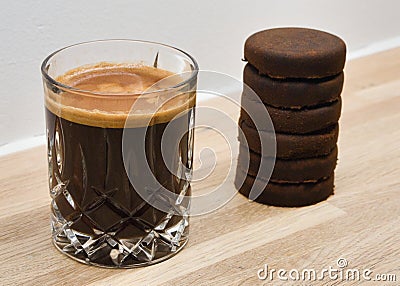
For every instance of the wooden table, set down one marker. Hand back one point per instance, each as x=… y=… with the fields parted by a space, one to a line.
x=359 y=223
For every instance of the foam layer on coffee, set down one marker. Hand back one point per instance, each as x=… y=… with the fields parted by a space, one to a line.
x=116 y=95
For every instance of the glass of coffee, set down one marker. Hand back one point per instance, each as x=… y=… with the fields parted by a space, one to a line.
x=119 y=117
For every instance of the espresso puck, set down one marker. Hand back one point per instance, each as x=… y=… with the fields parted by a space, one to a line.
x=298 y=121
x=295 y=53
x=292 y=93
x=288 y=171
x=285 y=194
x=289 y=146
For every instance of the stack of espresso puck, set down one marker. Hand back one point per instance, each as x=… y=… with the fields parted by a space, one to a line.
x=297 y=74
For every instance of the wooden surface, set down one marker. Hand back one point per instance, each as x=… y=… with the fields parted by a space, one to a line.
x=359 y=223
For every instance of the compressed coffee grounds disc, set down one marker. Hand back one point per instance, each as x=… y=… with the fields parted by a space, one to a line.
x=293 y=93
x=290 y=146
x=293 y=121
x=289 y=171
x=285 y=195
x=295 y=53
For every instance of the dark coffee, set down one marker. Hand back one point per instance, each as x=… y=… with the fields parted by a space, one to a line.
x=90 y=185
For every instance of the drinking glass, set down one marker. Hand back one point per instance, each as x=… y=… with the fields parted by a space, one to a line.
x=111 y=156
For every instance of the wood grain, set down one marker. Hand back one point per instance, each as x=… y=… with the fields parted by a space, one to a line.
x=227 y=247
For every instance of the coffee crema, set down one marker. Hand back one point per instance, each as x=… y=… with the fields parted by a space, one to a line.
x=103 y=94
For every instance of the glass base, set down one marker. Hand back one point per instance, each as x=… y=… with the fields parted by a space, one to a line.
x=135 y=264
x=114 y=250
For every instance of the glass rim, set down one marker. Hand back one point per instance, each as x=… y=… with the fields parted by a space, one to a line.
x=65 y=87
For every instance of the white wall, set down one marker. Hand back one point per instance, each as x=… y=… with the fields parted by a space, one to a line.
x=212 y=31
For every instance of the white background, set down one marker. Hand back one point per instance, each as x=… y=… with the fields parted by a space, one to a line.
x=212 y=31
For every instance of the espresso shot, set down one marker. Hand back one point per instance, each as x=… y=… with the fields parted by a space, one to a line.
x=98 y=214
